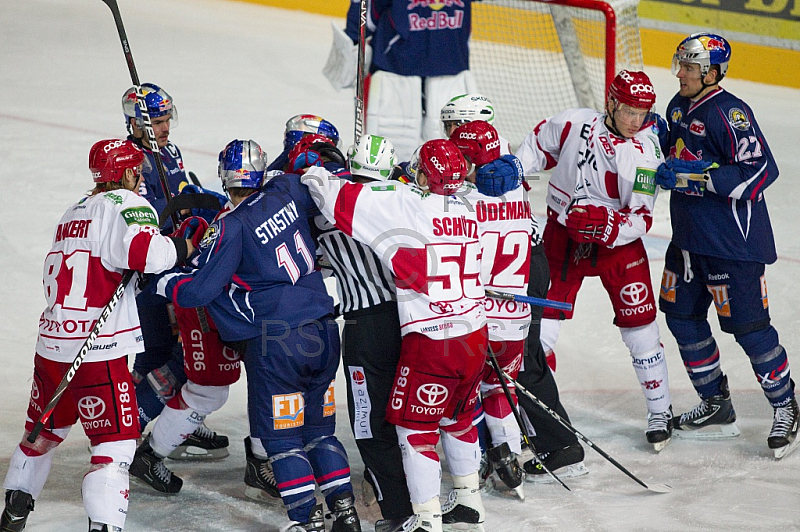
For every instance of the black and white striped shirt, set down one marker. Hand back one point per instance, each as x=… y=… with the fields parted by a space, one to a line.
x=362 y=281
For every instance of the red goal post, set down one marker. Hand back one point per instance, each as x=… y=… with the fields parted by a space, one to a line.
x=534 y=58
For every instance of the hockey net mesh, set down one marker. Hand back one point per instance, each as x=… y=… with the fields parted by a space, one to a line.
x=534 y=59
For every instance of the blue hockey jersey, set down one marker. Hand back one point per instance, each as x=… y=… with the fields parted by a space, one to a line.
x=416 y=37
x=256 y=271
x=730 y=220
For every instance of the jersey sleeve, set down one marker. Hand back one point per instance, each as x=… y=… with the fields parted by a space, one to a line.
x=134 y=241
x=637 y=161
x=220 y=255
x=746 y=165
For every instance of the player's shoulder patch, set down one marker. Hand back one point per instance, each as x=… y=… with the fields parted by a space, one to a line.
x=645 y=181
x=738 y=119
x=210 y=236
x=139 y=216
x=116 y=199
x=384 y=187
x=675 y=115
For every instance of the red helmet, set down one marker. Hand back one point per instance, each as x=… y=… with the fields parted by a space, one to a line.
x=441 y=161
x=108 y=159
x=634 y=89
x=303 y=145
x=477 y=140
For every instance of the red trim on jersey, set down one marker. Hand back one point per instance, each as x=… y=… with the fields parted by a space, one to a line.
x=137 y=252
x=612 y=185
x=345 y=207
x=238 y=280
x=177 y=285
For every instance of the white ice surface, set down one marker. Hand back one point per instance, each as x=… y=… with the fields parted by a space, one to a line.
x=239 y=71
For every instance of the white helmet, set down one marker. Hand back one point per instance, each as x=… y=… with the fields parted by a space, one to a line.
x=373 y=157
x=467 y=108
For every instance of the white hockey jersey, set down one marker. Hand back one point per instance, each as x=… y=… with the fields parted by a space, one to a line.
x=595 y=167
x=430 y=243
x=504 y=224
x=95 y=241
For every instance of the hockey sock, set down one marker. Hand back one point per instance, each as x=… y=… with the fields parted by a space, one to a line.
x=700 y=354
x=105 y=486
x=770 y=364
x=650 y=364
x=500 y=418
x=294 y=477
x=30 y=464
x=329 y=462
x=479 y=420
x=421 y=463
x=153 y=392
x=460 y=446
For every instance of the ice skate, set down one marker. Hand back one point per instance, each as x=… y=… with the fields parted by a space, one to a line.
x=507 y=467
x=260 y=484
x=464 y=507
x=659 y=429
x=565 y=463
x=18 y=505
x=203 y=444
x=316 y=523
x=148 y=468
x=102 y=527
x=783 y=436
x=345 y=518
x=714 y=418
x=415 y=523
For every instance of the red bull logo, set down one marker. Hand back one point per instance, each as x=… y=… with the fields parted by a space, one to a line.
x=710 y=43
x=436 y=5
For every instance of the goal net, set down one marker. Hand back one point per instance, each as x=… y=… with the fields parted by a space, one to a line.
x=534 y=58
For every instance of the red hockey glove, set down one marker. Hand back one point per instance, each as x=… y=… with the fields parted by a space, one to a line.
x=589 y=223
x=192 y=229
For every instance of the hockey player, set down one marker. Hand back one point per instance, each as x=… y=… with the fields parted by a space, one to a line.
x=721 y=241
x=371 y=337
x=257 y=277
x=298 y=127
x=556 y=446
x=435 y=259
x=420 y=59
x=105 y=233
x=504 y=223
x=158 y=371
x=600 y=201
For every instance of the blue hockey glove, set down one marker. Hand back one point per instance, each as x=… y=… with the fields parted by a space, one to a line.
x=499 y=176
x=688 y=177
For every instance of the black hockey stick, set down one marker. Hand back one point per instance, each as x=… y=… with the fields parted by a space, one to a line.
x=522 y=428
x=148 y=125
x=360 y=75
x=189 y=201
x=82 y=352
x=657 y=488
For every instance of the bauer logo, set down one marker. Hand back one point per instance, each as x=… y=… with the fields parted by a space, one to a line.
x=329 y=401
x=645 y=182
x=288 y=410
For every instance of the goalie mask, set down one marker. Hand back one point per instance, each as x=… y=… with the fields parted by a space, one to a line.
x=443 y=165
x=373 y=157
x=242 y=164
x=466 y=108
x=478 y=142
x=108 y=159
x=158 y=101
x=299 y=126
x=704 y=49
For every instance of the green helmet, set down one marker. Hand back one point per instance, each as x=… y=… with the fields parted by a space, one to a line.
x=372 y=157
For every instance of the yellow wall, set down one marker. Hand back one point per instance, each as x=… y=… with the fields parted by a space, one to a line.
x=765 y=64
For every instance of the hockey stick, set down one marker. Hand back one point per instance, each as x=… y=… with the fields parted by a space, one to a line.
x=657 y=488
x=522 y=428
x=189 y=201
x=535 y=301
x=82 y=352
x=362 y=58
x=148 y=125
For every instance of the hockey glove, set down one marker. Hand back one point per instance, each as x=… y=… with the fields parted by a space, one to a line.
x=688 y=177
x=589 y=223
x=499 y=176
x=329 y=153
x=192 y=229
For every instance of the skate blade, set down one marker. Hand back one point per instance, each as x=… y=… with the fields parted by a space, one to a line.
x=493 y=486
x=257 y=494
x=190 y=453
x=786 y=450
x=520 y=492
x=570 y=471
x=150 y=489
x=711 y=432
x=463 y=527
x=661 y=445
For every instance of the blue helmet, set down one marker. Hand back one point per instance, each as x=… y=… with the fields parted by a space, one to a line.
x=242 y=164
x=301 y=125
x=704 y=49
x=159 y=103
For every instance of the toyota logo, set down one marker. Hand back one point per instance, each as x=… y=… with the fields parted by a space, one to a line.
x=432 y=394
x=634 y=294
x=35 y=391
x=91 y=407
x=230 y=354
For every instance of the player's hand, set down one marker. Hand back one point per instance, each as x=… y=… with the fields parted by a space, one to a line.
x=688 y=177
x=499 y=176
x=589 y=223
x=192 y=230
